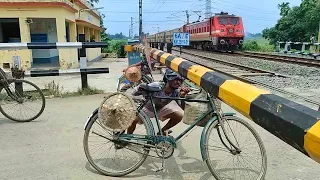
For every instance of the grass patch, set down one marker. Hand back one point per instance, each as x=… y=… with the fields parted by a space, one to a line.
x=253 y=45
x=53 y=89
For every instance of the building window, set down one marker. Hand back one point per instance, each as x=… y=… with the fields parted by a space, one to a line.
x=9 y=30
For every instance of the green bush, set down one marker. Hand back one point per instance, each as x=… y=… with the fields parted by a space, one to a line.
x=252 y=45
x=116 y=46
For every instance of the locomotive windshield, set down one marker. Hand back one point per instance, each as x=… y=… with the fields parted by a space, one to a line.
x=230 y=20
x=234 y=20
x=223 y=21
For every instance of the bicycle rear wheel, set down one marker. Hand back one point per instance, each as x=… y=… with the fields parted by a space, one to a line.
x=250 y=163
x=112 y=158
x=21 y=100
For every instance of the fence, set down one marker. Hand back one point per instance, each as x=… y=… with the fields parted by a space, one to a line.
x=84 y=71
x=300 y=48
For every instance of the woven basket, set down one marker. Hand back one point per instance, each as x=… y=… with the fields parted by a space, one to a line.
x=194 y=110
x=117 y=112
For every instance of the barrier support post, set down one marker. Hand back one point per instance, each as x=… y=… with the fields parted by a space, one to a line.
x=161 y=46
x=169 y=48
x=17 y=73
x=83 y=63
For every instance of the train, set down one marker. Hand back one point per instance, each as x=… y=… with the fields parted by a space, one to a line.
x=221 y=32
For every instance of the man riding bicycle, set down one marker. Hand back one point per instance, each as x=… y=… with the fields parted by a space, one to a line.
x=166 y=108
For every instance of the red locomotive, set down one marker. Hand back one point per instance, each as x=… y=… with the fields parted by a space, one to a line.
x=222 y=32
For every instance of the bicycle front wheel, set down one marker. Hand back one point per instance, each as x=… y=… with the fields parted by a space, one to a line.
x=224 y=161
x=21 y=100
x=109 y=157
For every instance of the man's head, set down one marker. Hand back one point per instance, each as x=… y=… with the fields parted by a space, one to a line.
x=173 y=79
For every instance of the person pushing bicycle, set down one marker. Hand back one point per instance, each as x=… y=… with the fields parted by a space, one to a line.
x=166 y=108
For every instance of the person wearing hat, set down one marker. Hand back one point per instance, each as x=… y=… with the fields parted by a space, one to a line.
x=140 y=65
x=166 y=108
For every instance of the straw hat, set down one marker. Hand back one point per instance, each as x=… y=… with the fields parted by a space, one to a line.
x=117 y=112
x=133 y=74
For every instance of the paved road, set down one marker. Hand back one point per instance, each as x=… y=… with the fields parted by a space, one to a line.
x=51 y=148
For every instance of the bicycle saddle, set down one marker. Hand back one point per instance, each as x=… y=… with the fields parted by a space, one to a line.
x=151 y=87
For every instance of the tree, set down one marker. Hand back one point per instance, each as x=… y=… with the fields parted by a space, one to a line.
x=296 y=23
x=284 y=9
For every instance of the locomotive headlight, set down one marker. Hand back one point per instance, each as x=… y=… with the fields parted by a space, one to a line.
x=222 y=41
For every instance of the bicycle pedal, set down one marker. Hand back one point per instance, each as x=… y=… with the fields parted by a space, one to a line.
x=160 y=169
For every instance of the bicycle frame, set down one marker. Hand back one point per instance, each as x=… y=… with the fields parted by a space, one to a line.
x=151 y=98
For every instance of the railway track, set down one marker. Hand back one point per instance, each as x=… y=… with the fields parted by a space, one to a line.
x=273 y=57
x=232 y=69
x=243 y=73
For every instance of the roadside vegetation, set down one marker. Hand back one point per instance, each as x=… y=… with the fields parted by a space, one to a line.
x=53 y=90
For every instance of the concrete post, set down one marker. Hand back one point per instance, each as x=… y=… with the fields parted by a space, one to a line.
x=161 y=46
x=97 y=35
x=73 y=31
x=87 y=33
x=169 y=48
x=277 y=47
x=83 y=62
x=303 y=49
x=91 y=33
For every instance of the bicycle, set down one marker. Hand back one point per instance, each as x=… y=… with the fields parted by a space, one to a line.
x=145 y=78
x=14 y=93
x=163 y=146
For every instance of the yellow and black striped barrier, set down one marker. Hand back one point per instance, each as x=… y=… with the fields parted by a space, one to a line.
x=295 y=124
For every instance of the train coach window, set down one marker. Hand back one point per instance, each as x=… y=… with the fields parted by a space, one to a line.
x=234 y=20
x=223 y=21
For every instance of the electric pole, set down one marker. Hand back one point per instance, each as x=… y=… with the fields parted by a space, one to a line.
x=131 y=28
x=188 y=16
x=140 y=20
x=208 y=9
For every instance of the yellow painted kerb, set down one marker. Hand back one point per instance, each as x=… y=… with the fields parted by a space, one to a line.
x=239 y=95
x=312 y=142
x=175 y=63
x=195 y=73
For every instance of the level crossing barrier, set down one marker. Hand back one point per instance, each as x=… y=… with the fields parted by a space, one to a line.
x=83 y=71
x=295 y=124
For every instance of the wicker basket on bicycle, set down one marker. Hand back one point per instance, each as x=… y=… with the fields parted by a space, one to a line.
x=117 y=112
x=194 y=110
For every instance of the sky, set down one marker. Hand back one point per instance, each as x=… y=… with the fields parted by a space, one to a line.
x=159 y=15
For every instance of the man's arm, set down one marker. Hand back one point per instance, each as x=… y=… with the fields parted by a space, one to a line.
x=183 y=92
